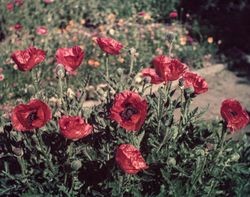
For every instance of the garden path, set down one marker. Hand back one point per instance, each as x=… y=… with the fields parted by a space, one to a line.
x=222 y=85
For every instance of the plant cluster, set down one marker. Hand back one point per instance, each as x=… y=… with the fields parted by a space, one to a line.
x=136 y=142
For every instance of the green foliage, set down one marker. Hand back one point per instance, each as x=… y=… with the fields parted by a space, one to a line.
x=186 y=156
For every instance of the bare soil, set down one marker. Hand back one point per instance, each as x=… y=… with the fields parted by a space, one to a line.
x=222 y=85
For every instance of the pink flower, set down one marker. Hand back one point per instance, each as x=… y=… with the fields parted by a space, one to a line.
x=48 y=1
x=190 y=39
x=41 y=30
x=142 y=13
x=18 y=27
x=18 y=2
x=173 y=14
x=1 y=77
x=10 y=6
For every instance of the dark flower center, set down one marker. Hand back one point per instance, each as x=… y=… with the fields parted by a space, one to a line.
x=32 y=116
x=233 y=113
x=128 y=112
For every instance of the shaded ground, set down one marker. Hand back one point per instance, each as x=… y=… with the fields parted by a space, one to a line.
x=222 y=85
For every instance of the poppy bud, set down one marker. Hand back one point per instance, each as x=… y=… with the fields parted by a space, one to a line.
x=17 y=151
x=234 y=157
x=60 y=71
x=76 y=165
x=31 y=89
x=171 y=161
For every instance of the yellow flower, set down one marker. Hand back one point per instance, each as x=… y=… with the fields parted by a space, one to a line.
x=93 y=63
x=121 y=22
x=147 y=16
x=210 y=40
x=101 y=28
x=72 y=23
x=121 y=60
x=111 y=17
x=70 y=93
x=183 y=40
x=82 y=21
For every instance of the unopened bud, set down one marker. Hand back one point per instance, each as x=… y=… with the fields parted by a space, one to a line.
x=188 y=92
x=175 y=133
x=31 y=89
x=17 y=151
x=55 y=101
x=181 y=83
x=60 y=71
x=120 y=71
x=200 y=152
x=171 y=161
x=133 y=52
x=7 y=128
x=76 y=165
x=235 y=157
x=70 y=93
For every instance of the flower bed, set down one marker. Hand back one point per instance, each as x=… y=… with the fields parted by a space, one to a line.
x=126 y=141
x=132 y=143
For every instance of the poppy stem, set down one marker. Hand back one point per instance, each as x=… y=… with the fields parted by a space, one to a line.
x=159 y=113
x=107 y=66
x=60 y=84
x=35 y=80
x=22 y=165
x=70 y=149
x=221 y=148
x=221 y=143
x=181 y=116
x=44 y=152
x=167 y=88
x=164 y=139
x=131 y=64
x=171 y=46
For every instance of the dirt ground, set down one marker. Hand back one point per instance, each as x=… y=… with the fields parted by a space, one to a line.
x=222 y=85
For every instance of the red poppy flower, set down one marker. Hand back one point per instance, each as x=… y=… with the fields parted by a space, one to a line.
x=33 y=115
x=150 y=72
x=70 y=58
x=173 y=14
x=142 y=13
x=41 y=30
x=168 y=69
x=129 y=110
x=74 y=127
x=18 y=2
x=233 y=113
x=48 y=1
x=18 y=27
x=130 y=159
x=28 y=58
x=109 y=45
x=10 y=6
x=1 y=77
x=195 y=81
